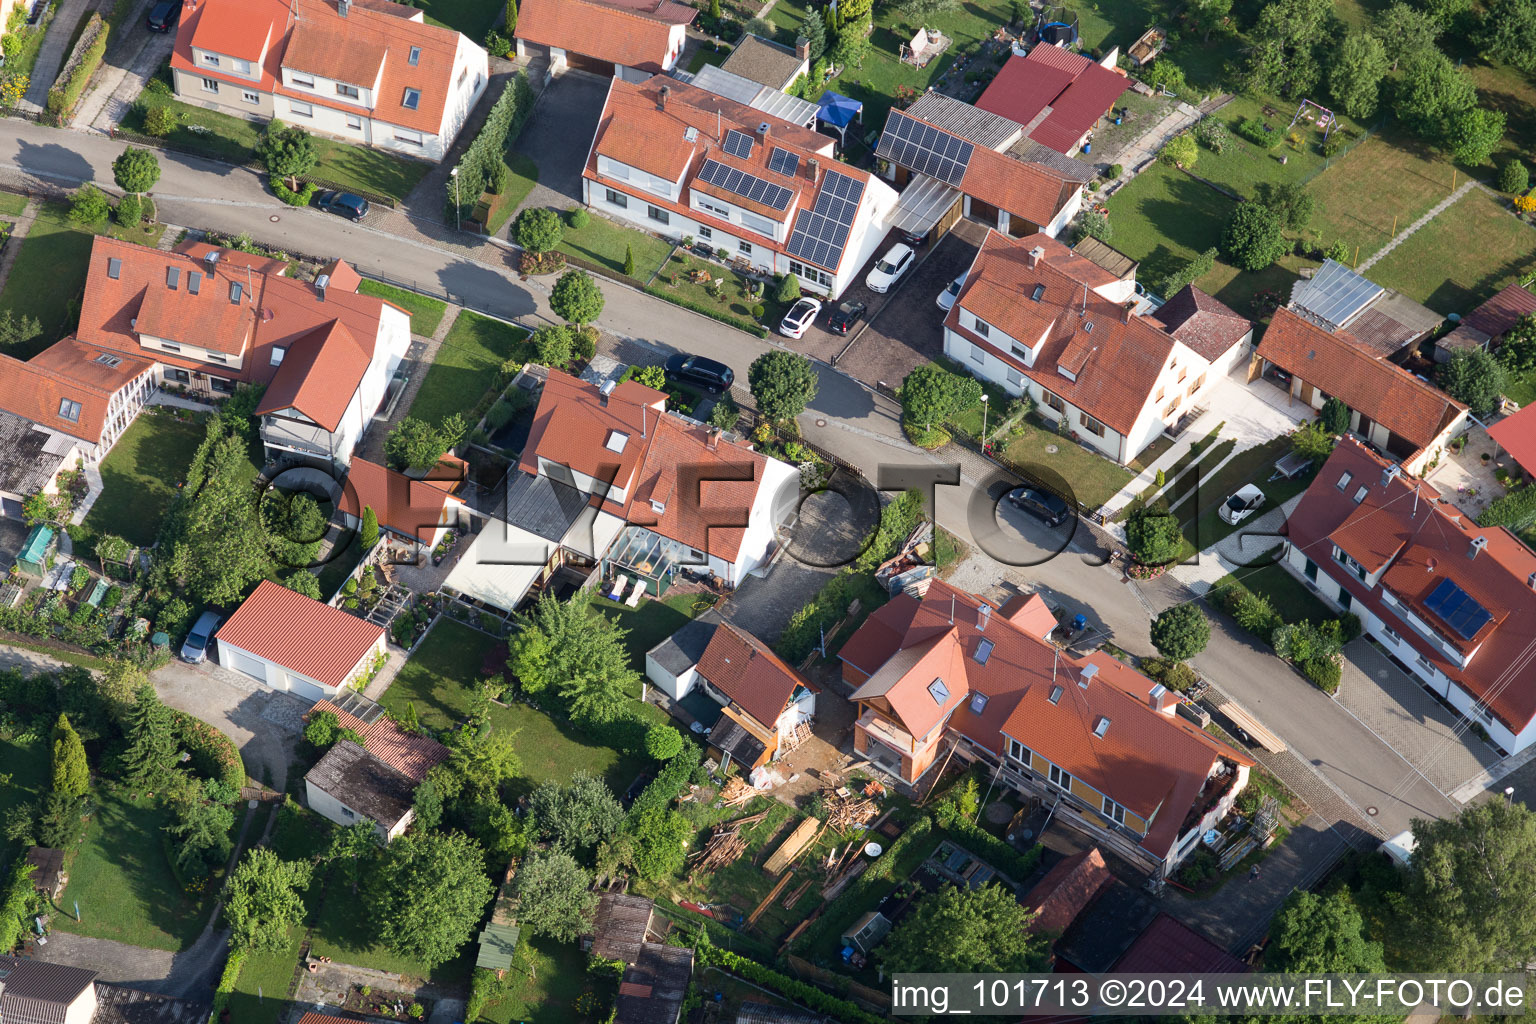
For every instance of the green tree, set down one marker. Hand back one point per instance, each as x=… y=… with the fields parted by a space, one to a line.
x=200 y=826
x=1181 y=631
x=503 y=834
x=511 y=20
x=71 y=771
x=1253 y=238
x=1470 y=903
x=1407 y=33
x=1444 y=13
x=416 y=444
x=1290 y=202
x=61 y=824
x=1153 y=536
x=853 y=11
x=554 y=897
x=783 y=383
x=15 y=899
x=576 y=298
x=1313 y=440
x=1165 y=75
x=958 y=930
x=17 y=330
x=288 y=151
x=1518 y=352
x=88 y=205
x=1334 y=416
x=1474 y=134
x=1182 y=151
x=428 y=892
x=368 y=532
x=660 y=843
x=295 y=527
x=568 y=648
x=1094 y=223
x=1508 y=33
x=932 y=395
x=629 y=260
x=537 y=229
x=151 y=754
x=322 y=729
x=1514 y=176
x=1285 y=44
x=714 y=12
x=578 y=815
x=217 y=543
x=1321 y=934
x=554 y=345
x=1355 y=74
x=428 y=805
x=482 y=762
x=852 y=44
x=814 y=30
x=1208 y=15
x=136 y=170
x=353 y=849
x=663 y=742
x=1431 y=92
x=263 y=900
x=1474 y=378
x=302 y=581
x=130 y=211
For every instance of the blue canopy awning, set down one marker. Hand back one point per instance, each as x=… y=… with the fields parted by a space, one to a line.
x=837 y=110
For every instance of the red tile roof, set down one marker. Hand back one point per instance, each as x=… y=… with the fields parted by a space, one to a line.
x=745 y=670
x=1028 y=190
x=1423 y=540
x=1498 y=315
x=1031 y=614
x=36 y=390
x=410 y=755
x=1066 y=889
x=1119 y=361
x=233 y=258
x=1203 y=323
x=314 y=375
x=406 y=506
x=575 y=427
x=300 y=634
x=1150 y=762
x=1382 y=390
x=631 y=37
x=1071 y=91
x=1517 y=434
x=1168 y=946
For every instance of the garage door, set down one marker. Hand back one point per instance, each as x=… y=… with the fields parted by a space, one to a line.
x=242 y=662
x=581 y=62
x=304 y=688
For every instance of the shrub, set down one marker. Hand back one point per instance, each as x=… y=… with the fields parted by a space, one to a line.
x=788 y=288
x=579 y=218
x=1153 y=536
x=130 y=211
x=227 y=980
x=1332 y=144
x=1175 y=675
x=537 y=229
x=1514 y=176
x=1181 y=151
x=1514 y=509
x=713 y=312
x=1212 y=133
x=302 y=197
x=500 y=415
x=82 y=64
x=498 y=179
x=1325 y=672
x=799 y=991
x=1254 y=131
x=160 y=122
x=1115 y=170
x=497 y=45
x=213 y=755
x=88 y=205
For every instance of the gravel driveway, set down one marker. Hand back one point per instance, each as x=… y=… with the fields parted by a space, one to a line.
x=242 y=710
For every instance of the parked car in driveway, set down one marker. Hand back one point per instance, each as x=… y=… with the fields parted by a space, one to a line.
x=163 y=16
x=195 y=650
x=948 y=296
x=699 y=372
x=1043 y=505
x=800 y=317
x=343 y=204
x=845 y=316
x=1241 y=505
x=888 y=269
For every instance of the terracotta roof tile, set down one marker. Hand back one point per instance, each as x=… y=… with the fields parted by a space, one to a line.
x=1204 y=324
x=37 y=390
x=1498 y=315
x=576 y=428
x=300 y=633
x=1065 y=890
x=410 y=755
x=708 y=514
x=745 y=670
x=410 y=507
x=1170 y=947
x=630 y=37
x=1023 y=189
x=1374 y=387
x=319 y=374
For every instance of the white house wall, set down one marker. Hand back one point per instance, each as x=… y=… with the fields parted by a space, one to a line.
x=675 y=686
x=768 y=511
x=800 y=712
x=278 y=677
x=332 y=809
x=1065 y=215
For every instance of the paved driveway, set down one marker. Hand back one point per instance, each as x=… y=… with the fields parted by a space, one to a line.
x=558 y=136
x=1428 y=736
x=262 y=722
x=909 y=330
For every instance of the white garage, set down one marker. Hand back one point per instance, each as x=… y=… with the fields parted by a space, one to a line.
x=296 y=644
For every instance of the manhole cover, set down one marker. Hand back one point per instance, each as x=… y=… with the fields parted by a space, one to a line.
x=821 y=423
x=1050 y=449
x=1372 y=811
x=274 y=218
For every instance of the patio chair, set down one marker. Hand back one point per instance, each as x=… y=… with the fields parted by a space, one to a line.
x=633 y=600
x=620 y=582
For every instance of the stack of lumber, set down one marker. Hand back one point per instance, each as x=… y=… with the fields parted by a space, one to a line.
x=725 y=844
x=848 y=812
x=831 y=891
x=788 y=850
x=736 y=792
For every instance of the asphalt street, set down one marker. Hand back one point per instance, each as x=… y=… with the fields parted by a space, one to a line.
x=856 y=423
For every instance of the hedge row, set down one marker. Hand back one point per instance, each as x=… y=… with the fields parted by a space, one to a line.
x=669 y=782
x=226 y=984
x=860 y=894
x=302 y=197
x=1513 y=510
x=214 y=755
x=714 y=314
x=823 y=611
x=82 y=64
x=810 y=995
x=504 y=122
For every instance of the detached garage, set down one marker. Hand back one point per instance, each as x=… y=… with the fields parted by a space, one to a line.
x=290 y=642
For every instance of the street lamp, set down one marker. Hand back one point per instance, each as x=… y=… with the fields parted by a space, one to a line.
x=983 y=421
x=454 y=174
x=1509 y=794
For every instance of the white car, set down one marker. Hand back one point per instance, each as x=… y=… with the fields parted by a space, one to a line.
x=889 y=268
x=1241 y=505
x=800 y=317
x=948 y=296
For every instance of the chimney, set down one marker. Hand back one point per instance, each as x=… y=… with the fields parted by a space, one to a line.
x=1036 y=255
x=983 y=616
x=812 y=169
x=762 y=131
x=712 y=439
x=1157 y=699
x=1125 y=312
x=321 y=283
x=803 y=48
x=1390 y=473
x=1478 y=543
x=343 y=6
x=606 y=390
x=211 y=261
x=661 y=97
x=1087 y=673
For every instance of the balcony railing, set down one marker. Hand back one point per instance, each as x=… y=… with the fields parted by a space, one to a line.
x=887 y=732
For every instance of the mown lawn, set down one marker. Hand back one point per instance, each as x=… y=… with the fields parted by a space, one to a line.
x=523 y=175
x=123 y=882
x=1164 y=217
x=1092 y=478
x=653 y=621
x=344 y=933
x=1463 y=256
x=466 y=365
x=48 y=277
x=1242 y=166
x=1387 y=178
x=604 y=242
x=438 y=679
x=543 y=985
x=1287 y=595
x=11 y=204
x=426 y=312
x=1202 y=522
x=474 y=18
x=27 y=766
x=139 y=480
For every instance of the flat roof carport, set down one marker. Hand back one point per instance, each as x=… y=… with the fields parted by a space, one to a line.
x=923 y=204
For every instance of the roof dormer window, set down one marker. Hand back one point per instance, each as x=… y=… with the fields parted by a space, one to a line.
x=415 y=57
x=412 y=99
x=108 y=360
x=659 y=507
x=69 y=409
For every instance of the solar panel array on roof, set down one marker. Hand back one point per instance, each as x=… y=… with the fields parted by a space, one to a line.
x=1457 y=609
x=746 y=185
x=1335 y=293
x=783 y=161
x=924 y=149
x=738 y=144
x=821 y=232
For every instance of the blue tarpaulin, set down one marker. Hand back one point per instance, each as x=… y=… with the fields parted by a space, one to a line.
x=837 y=110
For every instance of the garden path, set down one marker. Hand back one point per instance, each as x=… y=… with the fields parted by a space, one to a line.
x=52 y=54
x=1439 y=208
x=422 y=352
x=18 y=233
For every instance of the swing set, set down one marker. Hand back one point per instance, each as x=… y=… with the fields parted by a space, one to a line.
x=1314 y=113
